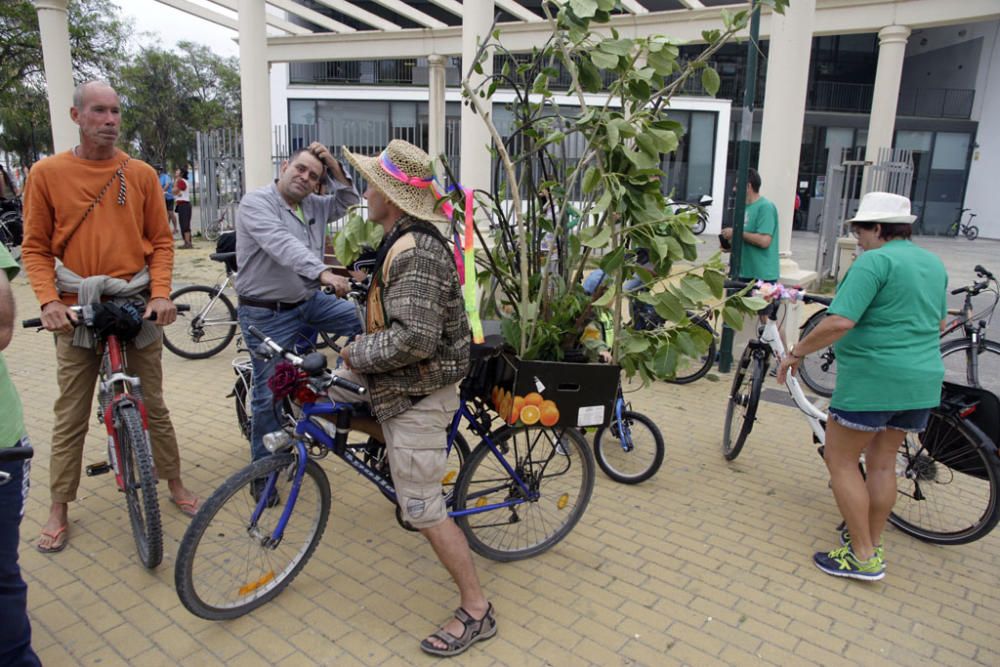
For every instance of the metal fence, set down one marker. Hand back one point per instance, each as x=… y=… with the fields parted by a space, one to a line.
x=220 y=166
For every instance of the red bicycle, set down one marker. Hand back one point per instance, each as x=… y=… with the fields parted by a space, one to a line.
x=123 y=413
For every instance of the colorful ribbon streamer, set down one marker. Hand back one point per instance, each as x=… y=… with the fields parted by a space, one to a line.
x=466 y=268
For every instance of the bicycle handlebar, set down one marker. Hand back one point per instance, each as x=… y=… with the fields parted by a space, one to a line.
x=8 y=454
x=781 y=292
x=297 y=361
x=222 y=256
x=982 y=272
x=36 y=322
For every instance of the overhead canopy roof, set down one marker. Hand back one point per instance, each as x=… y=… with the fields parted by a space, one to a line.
x=343 y=29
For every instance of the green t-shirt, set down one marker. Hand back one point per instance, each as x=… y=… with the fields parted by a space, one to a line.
x=761 y=263
x=11 y=417
x=891 y=359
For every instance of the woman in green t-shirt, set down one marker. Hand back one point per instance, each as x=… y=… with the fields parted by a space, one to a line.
x=885 y=320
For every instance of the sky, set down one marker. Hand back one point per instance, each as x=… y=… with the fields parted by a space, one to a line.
x=172 y=25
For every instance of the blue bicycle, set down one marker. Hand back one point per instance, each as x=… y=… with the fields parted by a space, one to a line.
x=630 y=449
x=518 y=493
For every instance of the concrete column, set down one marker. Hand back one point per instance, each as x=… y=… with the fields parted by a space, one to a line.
x=888 y=73
x=784 y=115
x=254 y=82
x=475 y=155
x=54 y=29
x=436 y=106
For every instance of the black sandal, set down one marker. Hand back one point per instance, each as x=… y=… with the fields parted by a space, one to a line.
x=475 y=630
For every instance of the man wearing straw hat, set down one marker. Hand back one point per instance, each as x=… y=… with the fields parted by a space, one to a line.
x=280 y=233
x=413 y=353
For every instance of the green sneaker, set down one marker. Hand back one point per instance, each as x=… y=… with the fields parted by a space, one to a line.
x=845 y=540
x=843 y=563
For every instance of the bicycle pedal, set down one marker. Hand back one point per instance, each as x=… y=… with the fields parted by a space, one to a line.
x=98 y=468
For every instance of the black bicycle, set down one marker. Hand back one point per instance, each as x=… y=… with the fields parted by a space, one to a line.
x=972 y=360
x=967 y=229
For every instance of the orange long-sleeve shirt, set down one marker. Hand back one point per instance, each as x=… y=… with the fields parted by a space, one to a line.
x=114 y=240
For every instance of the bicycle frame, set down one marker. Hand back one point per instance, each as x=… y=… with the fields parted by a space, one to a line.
x=769 y=342
x=309 y=432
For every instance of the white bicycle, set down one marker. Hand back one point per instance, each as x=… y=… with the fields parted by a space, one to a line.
x=947 y=477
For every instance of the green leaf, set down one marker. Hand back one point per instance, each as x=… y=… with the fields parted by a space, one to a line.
x=752 y=303
x=662 y=62
x=635 y=344
x=600 y=239
x=590 y=76
x=695 y=288
x=618 y=47
x=584 y=8
x=710 y=81
x=687 y=346
x=669 y=307
x=590 y=179
x=604 y=60
x=666 y=140
x=541 y=84
x=648 y=145
x=602 y=203
x=612 y=131
x=732 y=317
x=607 y=297
x=715 y=282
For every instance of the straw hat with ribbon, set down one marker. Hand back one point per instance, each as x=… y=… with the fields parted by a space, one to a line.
x=403 y=172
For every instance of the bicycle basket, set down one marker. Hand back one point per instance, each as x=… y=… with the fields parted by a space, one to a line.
x=978 y=407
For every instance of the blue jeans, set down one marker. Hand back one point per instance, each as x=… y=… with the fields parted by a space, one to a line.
x=596 y=277
x=910 y=421
x=322 y=312
x=15 y=629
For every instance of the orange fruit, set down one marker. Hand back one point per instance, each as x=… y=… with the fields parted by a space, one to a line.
x=534 y=398
x=548 y=403
x=549 y=414
x=530 y=414
x=515 y=410
x=494 y=393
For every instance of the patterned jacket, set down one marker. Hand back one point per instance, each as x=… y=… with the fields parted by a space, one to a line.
x=417 y=334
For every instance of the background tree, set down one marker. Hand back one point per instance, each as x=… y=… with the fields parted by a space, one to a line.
x=98 y=40
x=178 y=94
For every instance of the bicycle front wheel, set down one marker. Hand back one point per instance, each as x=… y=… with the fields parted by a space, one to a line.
x=557 y=467
x=818 y=370
x=206 y=329
x=947 y=483
x=140 y=484
x=741 y=410
x=227 y=564
x=629 y=450
x=975 y=366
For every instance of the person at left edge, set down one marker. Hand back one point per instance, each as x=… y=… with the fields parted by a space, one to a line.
x=280 y=234
x=15 y=628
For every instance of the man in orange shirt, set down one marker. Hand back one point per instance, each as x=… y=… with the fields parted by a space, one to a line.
x=95 y=213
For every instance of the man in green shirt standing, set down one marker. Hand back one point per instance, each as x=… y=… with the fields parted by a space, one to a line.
x=15 y=630
x=759 y=259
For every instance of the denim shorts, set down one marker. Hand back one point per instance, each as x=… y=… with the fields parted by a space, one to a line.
x=910 y=421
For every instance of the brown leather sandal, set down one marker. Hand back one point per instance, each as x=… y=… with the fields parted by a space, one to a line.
x=475 y=630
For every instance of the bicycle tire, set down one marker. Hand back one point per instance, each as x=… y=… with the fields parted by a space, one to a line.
x=947 y=483
x=206 y=329
x=140 y=484
x=818 y=370
x=223 y=570
x=629 y=466
x=7 y=221
x=699 y=227
x=745 y=394
x=518 y=532
x=701 y=368
x=979 y=369
x=212 y=230
x=242 y=395
x=971 y=232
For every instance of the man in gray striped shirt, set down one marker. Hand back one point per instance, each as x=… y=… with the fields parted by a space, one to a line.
x=280 y=236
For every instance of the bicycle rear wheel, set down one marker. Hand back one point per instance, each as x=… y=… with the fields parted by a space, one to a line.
x=741 y=410
x=242 y=395
x=556 y=465
x=226 y=565
x=690 y=369
x=629 y=450
x=971 y=232
x=947 y=483
x=140 y=484
x=818 y=370
x=206 y=329
x=968 y=365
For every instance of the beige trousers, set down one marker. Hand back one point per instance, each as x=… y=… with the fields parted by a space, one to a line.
x=76 y=372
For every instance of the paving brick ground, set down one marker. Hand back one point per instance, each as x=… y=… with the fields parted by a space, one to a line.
x=707 y=563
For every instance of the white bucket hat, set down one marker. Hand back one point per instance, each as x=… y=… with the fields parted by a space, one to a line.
x=403 y=172
x=884 y=207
